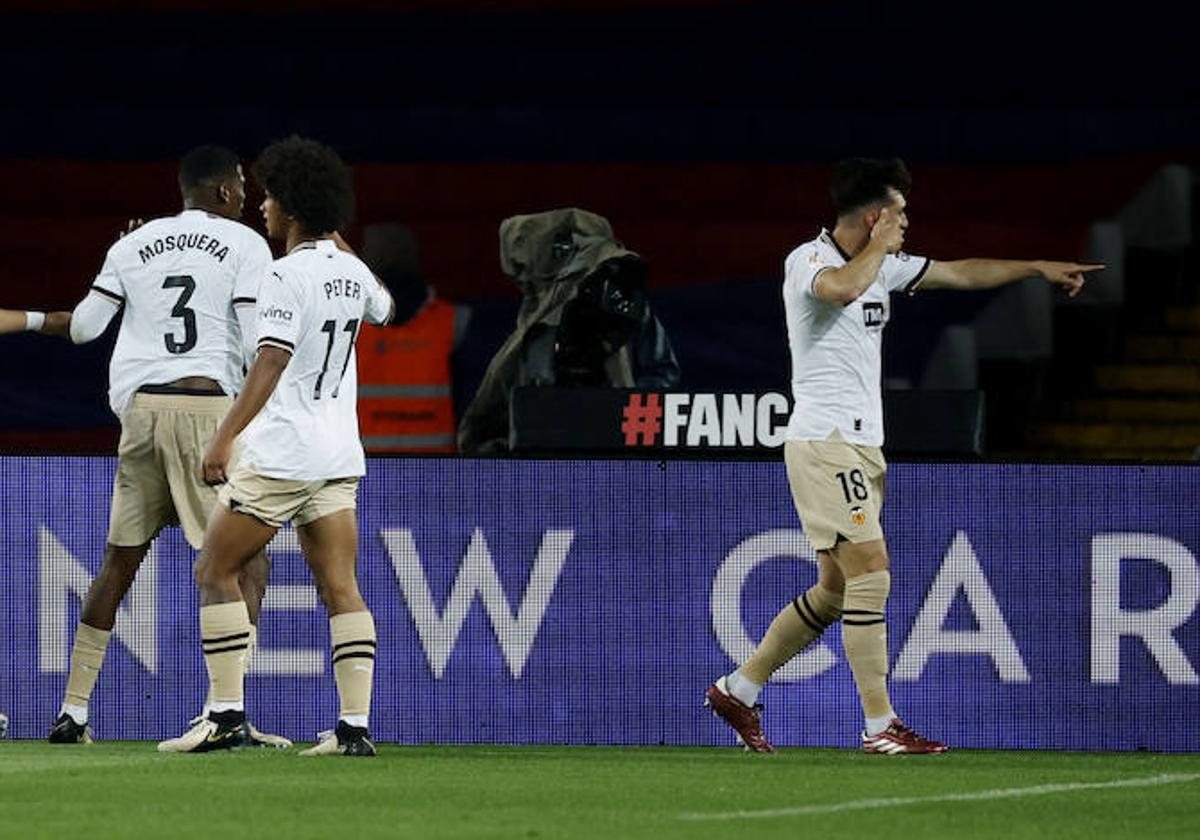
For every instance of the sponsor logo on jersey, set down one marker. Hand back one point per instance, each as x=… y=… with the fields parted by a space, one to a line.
x=874 y=314
x=275 y=313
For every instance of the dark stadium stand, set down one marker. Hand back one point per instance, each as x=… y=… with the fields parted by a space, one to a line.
x=702 y=128
x=714 y=235
x=695 y=224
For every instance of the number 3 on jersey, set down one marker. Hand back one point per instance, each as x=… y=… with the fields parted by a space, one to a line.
x=330 y=327
x=182 y=310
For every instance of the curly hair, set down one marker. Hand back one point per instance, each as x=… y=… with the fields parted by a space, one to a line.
x=310 y=182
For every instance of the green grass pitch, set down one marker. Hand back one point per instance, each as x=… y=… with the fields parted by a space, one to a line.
x=129 y=790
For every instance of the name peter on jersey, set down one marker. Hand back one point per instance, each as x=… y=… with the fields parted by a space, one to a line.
x=184 y=242
x=342 y=287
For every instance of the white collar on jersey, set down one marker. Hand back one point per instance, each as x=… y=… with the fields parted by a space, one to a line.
x=828 y=236
x=315 y=245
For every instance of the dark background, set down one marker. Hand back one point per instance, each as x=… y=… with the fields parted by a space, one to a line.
x=703 y=130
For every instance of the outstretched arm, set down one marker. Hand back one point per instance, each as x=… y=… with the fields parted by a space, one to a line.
x=260 y=384
x=50 y=323
x=988 y=274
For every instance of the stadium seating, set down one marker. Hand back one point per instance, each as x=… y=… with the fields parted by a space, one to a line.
x=725 y=227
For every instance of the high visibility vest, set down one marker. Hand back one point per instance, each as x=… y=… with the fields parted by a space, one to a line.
x=404 y=397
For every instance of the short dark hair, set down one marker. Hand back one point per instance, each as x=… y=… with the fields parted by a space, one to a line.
x=206 y=165
x=310 y=182
x=858 y=182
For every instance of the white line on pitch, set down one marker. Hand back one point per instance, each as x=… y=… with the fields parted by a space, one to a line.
x=999 y=793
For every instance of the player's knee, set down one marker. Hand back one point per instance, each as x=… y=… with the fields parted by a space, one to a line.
x=204 y=570
x=256 y=572
x=860 y=558
x=340 y=596
x=866 y=596
x=123 y=560
x=822 y=605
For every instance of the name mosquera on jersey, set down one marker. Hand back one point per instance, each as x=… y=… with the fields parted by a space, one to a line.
x=181 y=277
x=182 y=242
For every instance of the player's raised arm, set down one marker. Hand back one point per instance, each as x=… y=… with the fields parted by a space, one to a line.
x=988 y=273
x=380 y=306
x=844 y=285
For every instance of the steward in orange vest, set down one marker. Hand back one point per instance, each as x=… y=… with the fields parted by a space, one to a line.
x=404 y=387
x=405 y=401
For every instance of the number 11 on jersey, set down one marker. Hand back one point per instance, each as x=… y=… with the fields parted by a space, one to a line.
x=330 y=327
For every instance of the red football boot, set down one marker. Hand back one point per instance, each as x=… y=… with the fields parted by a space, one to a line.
x=898 y=739
x=745 y=720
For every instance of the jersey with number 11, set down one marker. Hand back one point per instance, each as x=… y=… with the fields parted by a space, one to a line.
x=311 y=304
x=177 y=278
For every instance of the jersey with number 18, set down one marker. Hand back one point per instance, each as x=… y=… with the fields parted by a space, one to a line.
x=178 y=278
x=311 y=304
x=836 y=349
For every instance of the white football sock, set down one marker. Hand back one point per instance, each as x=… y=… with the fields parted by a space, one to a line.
x=877 y=725
x=743 y=688
x=76 y=713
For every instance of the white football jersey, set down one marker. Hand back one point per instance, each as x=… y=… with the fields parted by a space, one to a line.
x=312 y=303
x=836 y=349
x=177 y=278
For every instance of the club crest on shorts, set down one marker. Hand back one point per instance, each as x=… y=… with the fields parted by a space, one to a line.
x=858 y=516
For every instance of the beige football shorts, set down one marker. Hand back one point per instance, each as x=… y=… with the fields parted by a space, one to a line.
x=837 y=488
x=159 y=457
x=277 y=501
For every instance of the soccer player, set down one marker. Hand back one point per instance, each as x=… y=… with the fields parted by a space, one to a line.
x=301 y=453
x=182 y=283
x=835 y=292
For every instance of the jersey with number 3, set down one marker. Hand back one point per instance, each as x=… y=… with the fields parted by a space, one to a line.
x=312 y=304
x=178 y=278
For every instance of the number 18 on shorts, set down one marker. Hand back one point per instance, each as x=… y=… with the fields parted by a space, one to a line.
x=837 y=488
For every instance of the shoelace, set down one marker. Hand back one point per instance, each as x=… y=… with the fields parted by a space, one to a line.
x=904 y=731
